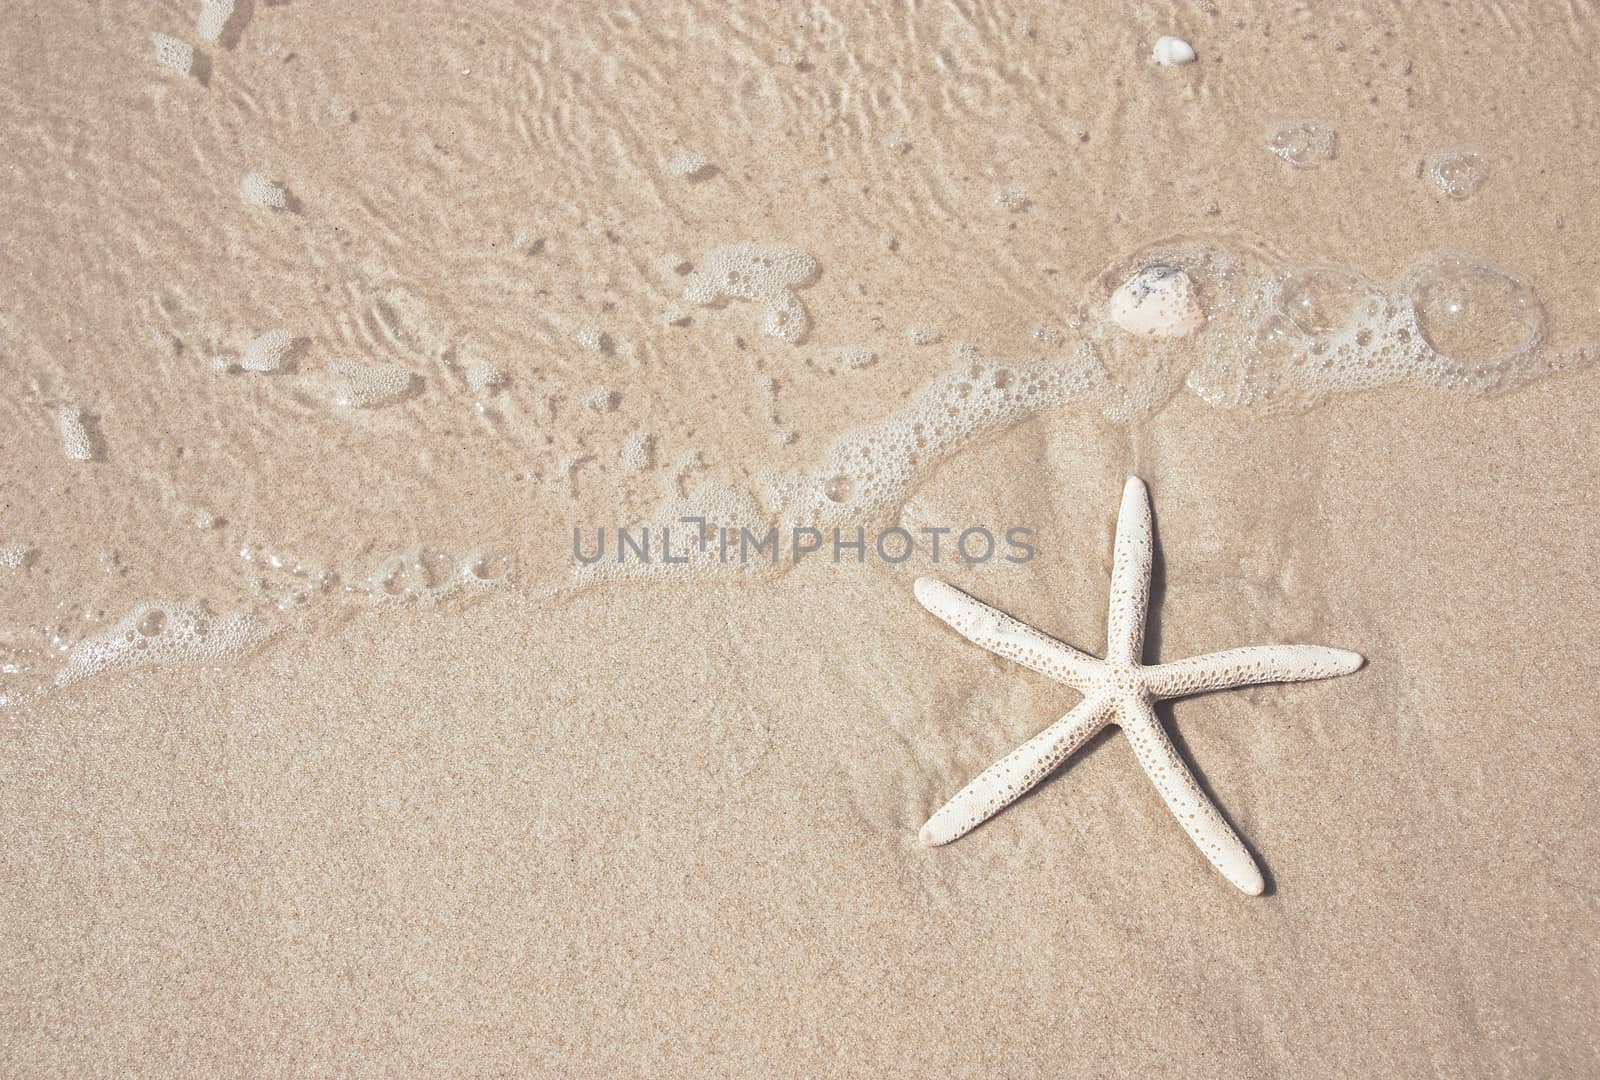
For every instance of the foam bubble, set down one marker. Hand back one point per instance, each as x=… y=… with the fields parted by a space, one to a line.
x=214 y=16
x=485 y=569
x=601 y=399
x=763 y=273
x=267 y=352
x=688 y=165
x=152 y=635
x=483 y=379
x=1012 y=199
x=1474 y=313
x=373 y=386
x=592 y=338
x=922 y=334
x=172 y=53
x=14 y=556
x=870 y=471
x=418 y=576
x=856 y=357
x=638 y=451
x=1458 y=171
x=75 y=442
x=1291 y=336
x=259 y=189
x=1303 y=145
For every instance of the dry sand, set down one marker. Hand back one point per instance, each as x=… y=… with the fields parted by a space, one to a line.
x=669 y=828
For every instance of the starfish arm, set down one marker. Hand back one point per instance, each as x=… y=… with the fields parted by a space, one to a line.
x=1199 y=818
x=1004 y=636
x=1130 y=576
x=1247 y=667
x=1002 y=783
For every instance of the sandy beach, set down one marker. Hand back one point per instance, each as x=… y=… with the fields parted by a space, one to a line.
x=325 y=755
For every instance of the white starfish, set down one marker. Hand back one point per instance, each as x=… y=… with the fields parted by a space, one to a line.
x=1118 y=689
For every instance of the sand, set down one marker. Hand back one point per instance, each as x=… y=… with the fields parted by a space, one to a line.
x=669 y=827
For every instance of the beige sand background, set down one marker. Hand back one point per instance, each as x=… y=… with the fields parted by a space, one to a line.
x=670 y=829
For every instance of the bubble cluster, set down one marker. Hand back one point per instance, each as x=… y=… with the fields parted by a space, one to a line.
x=1012 y=199
x=1458 y=171
x=172 y=53
x=214 y=16
x=688 y=165
x=601 y=399
x=1303 y=145
x=372 y=386
x=763 y=273
x=267 y=352
x=922 y=334
x=152 y=635
x=1473 y=313
x=14 y=556
x=483 y=379
x=259 y=189
x=1280 y=335
x=638 y=451
x=856 y=357
x=593 y=338
x=869 y=472
x=75 y=442
x=423 y=576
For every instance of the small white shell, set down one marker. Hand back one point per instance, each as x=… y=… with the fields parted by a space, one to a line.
x=1158 y=301
x=1172 y=50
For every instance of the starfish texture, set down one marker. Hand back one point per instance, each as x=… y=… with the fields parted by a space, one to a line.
x=1121 y=690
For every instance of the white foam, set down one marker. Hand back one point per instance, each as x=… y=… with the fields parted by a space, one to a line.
x=75 y=442
x=483 y=379
x=601 y=399
x=14 y=556
x=214 y=16
x=267 y=352
x=868 y=473
x=638 y=451
x=372 y=386
x=156 y=634
x=688 y=165
x=173 y=53
x=259 y=189
x=763 y=273
x=592 y=338
x=1012 y=199
x=856 y=357
x=1304 y=145
x=1458 y=171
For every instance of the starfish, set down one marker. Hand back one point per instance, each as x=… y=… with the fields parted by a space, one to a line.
x=1121 y=690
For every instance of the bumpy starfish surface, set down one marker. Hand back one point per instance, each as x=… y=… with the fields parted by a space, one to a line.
x=1118 y=689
